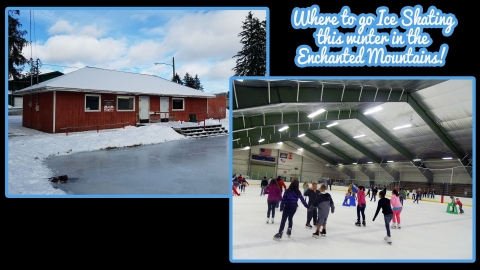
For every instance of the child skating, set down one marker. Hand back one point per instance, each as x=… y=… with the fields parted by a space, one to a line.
x=460 y=204
x=324 y=203
x=289 y=206
x=362 y=204
x=384 y=204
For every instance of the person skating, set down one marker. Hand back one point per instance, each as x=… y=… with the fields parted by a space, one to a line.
x=311 y=193
x=460 y=204
x=274 y=195
x=374 y=193
x=384 y=204
x=362 y=204
x=282 y=186
x=244 y=185
x=263 y=185
x=289 y=206
x=235 y=186
x=397 y=206
x=323 y=202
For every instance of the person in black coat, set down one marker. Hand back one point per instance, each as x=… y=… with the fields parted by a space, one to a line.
x=374 y=193
x=263 y=185
x=384 y=204
x=311 y=193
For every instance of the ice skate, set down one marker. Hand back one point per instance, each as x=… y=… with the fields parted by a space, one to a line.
x=358 y=223
x=388 y=239
x=289 y=232
x=271 y=220
x=308 y=226
x=278 y=236
x=364 y=223
x=398 y=226
x=316 y=234
x=393 y=226
x=268 y=219
x=324 y=232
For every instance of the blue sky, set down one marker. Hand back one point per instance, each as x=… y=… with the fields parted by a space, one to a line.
x=202 y=41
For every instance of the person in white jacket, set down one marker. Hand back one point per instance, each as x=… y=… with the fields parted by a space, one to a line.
x=396 y=208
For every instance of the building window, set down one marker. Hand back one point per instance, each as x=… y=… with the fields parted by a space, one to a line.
x=92 y=103
x=125 y=103
x=178 y=104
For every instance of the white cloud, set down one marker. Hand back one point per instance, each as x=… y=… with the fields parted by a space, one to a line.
x=85 y=49
x=91 y=30
x=61 y=27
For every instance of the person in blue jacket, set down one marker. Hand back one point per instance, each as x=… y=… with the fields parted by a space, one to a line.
x=289 y=206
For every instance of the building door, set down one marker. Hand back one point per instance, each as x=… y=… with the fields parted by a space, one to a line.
x=164 y=109
x=144 y=109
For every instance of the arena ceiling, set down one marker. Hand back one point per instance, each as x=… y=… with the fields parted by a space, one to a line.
x=436 y=116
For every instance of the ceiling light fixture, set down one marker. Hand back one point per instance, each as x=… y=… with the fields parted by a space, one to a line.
x=447 y=158
x=261 y=140
x=374 y=109
x=301 y=135
x=299 y=149
x=332 y=124
x=316 y=113
x=246 y=148
x=325 y=143
x=236 y=139
x=400 y=127
x=369 y=162
x=283 y=128
x=389 y=161
x=359 y=136
x=417 y=159
x=280 y=143
x=354 y=163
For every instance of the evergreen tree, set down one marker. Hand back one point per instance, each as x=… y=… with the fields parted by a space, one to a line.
x=252 y=58
x=177 y=79
x=188 y=81
x=198 y=85
x=16 y=42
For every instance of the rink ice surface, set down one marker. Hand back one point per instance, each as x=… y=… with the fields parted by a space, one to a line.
x=428 y=233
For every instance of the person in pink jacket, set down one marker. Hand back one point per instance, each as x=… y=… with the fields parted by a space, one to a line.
x=362 y=203
x=396 y=208
x=274 y=192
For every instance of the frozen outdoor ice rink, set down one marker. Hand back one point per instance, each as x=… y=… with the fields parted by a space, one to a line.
x=428 y=233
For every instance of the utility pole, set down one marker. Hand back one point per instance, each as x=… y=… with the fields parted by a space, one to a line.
x=173 y=61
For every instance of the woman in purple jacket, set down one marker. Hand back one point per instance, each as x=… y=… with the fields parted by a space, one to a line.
x=274 y=192
x=289 y=207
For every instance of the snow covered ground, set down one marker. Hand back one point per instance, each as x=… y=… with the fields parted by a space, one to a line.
x=26 y=171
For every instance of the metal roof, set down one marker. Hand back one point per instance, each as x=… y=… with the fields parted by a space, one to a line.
x=90 y=79
x=439 y=113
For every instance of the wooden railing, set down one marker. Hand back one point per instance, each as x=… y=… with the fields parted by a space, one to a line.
x=94 y=126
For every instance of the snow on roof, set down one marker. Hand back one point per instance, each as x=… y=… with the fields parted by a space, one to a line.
x=90 y=79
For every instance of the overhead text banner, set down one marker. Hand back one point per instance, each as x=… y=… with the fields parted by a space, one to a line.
x=380 y=39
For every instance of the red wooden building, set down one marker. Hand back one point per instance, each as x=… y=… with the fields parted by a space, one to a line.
x=94 y=98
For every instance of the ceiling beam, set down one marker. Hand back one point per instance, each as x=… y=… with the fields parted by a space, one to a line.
x=462 y=158
x=284 y=94
x=367 y=172
x=354 y=144
x=278 y=119
x=382 y=133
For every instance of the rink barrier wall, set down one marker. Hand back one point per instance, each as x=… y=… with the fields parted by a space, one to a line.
x=437 y=199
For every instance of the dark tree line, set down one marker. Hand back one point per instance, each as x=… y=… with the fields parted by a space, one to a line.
x=189 y=81
x=16 y=43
